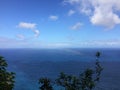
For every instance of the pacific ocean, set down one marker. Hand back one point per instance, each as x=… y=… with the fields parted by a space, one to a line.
x=31 y=64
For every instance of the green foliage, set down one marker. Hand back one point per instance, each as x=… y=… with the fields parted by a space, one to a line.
x=68 y=81
x=86 y=81
x=98 y=54
x=98 y=67
x=45 y=84
x=6 y=78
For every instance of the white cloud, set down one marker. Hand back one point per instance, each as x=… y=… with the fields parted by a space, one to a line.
x=104 y=13
x=71 y=12
x=20 y=36
x=101 y=12
x=27 y=25
x=84 y=7
x=37 y=33
x=76 y=26
x=31 y=26
x=53 y=17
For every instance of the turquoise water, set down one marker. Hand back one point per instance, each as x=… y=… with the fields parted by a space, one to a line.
x=31 y=64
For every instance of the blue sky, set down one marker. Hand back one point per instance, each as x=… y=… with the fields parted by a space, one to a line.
x=59 y=23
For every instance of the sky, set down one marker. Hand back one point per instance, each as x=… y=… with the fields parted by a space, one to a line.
x=59 y=23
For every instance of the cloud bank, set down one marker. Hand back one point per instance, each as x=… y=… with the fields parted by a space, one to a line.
x=101 y=12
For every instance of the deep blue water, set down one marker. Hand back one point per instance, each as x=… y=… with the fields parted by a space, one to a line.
x=31 y=64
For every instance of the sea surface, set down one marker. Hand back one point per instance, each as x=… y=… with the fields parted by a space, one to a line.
x=32 y=64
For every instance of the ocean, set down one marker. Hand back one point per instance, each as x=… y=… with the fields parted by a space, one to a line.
x=32 y=64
